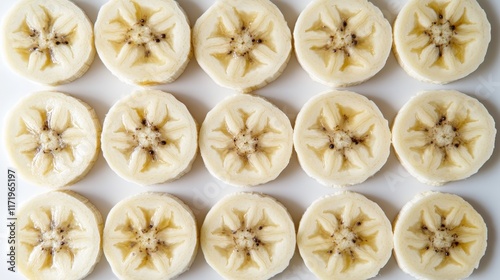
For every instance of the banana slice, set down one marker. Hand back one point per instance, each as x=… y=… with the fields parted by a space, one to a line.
x=143 y=42
x=342 y=43
x=439 y=236
x=47 y=41
x=248 y=236
x=150 y=236
x=242 y=44
x=443 y=136
x=149 y=137
x=341 y=138
x=441 y=41
x=59 y=236
x=246 y=141
x=52 y=138
x=345 y=236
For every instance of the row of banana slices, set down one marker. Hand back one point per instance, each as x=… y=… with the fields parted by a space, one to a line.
x=242 y=44
x=341 y=138
x=249 y=236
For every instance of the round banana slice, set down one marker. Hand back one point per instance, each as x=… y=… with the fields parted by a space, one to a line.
x=143 y=42
x=442 y=136
x=52 y=138
x=345 y=236
x=242 y=44
x=248 y=236
x=246 y=141
x=342 y=43
x=150 y=236
x=59 y=236
x=439 y=236
x=149 y=137
x=441 y=41
x=341 y=138
x=47 y=41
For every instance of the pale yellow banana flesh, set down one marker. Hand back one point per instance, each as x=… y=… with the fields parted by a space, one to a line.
x=341 y=138
x=59 y=236
x=248 y=236
x=151 y=235
x=442 y=136
x=441 y=41
x=439 y=236
x=143 y=42
x=149 y=137
x=246 y=141
x=344 y=236
x=241 y=44
x=342 y=43
x=47 y=41
x=52 y=138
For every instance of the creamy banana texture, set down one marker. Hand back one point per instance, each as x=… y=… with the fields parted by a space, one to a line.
x=341 y=138
x=149 y=137
x=59 y=236
x=48 y=42
x=53 y=138
x=242 y=45
x=441 y=41
x=150 y=235
x=245 y=140
x=443 y=136
x=439 y=235
x=143 y=42
x=248 y=236
x=342 y=43
x=344 y=236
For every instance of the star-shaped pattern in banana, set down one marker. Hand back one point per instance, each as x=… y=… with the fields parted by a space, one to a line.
x=243 y=43
x=337 y=40
x=443 y=237
x=343 y=241
x=54 y=237
x=247 y=141
x=138 y=35
x=151 y=237
x=48 y=138
x=149 y=136
x=246 y=239
x=44 y=41
x=441 y=34
x=447 y=133
x=340 y=137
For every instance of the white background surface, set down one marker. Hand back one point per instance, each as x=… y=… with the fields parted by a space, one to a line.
x=390 y=188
